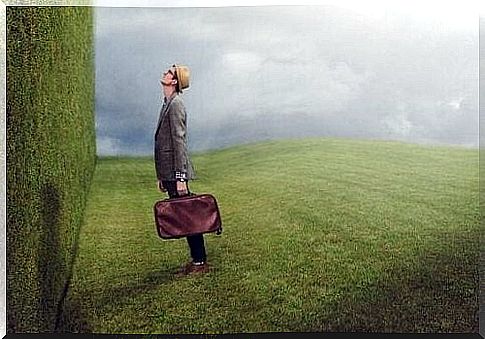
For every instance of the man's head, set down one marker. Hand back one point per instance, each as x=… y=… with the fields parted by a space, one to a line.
x=169 y=78
x=176 y=78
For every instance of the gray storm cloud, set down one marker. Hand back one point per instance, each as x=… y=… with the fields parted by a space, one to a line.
x=277 y=72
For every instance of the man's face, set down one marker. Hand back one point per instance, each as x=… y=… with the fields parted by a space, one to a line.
x=167 y=77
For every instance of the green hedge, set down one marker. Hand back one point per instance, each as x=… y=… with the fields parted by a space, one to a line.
x=51 y=155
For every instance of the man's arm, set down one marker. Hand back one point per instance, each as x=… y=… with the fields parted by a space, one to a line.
x=178 y=130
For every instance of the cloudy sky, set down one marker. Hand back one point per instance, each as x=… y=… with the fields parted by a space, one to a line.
x=270 y=72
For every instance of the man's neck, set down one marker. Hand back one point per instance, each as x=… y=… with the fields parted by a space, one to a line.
x=167 y=93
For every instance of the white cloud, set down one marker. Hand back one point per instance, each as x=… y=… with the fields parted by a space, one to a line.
x=241 y=61
x=456 y=103
x=108 y=146
x=397 y=125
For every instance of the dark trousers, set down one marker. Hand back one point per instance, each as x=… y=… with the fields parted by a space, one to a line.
x=196 y=242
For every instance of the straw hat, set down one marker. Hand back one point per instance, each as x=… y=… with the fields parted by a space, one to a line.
x=183 y=76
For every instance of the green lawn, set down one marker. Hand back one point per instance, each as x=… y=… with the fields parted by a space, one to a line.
x=319 y=235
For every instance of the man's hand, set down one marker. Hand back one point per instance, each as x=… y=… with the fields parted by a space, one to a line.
x=160 y=187
x=182 y=188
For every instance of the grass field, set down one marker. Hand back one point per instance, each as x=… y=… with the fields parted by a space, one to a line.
x=319 y=235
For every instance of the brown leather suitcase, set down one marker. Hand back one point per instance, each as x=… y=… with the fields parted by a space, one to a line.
x=192 y=214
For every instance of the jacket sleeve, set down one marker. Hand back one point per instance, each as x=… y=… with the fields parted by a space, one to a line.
x=178 y=129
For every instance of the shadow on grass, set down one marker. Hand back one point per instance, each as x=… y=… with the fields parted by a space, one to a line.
x=73 y=318
x=439 y=294
x=50 y=265
x=54 y=274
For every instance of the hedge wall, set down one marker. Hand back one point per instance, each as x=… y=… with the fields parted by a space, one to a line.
x=51 y=155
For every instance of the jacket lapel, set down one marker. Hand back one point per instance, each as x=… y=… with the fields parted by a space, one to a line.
x=163 y=112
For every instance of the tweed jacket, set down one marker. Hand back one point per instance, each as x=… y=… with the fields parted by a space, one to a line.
x=171 y=155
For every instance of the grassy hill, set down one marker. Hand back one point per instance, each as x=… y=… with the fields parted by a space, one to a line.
x=319 y=235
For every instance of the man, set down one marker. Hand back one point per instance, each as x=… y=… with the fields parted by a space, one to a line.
x=172 y=162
